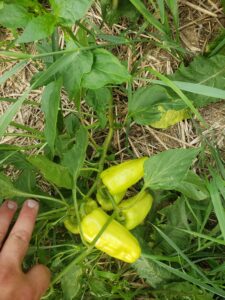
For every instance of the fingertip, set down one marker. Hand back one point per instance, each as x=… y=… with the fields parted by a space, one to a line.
x=40 y=277
x=11 y=205
x=32 y=204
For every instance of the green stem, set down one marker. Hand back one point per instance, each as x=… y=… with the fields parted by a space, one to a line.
x=70 y=33
x=74 y=194
x=55 y=43
x=105 y=149
x=42 y=197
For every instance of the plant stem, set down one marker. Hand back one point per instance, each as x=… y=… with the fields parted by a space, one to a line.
x=43 y=197
x=105 y=149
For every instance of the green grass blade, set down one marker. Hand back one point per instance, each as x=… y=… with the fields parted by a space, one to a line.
x=217 y=203
x=7 y=117
x=178 y=273
x=218 y=48
x=147 y=15
x=161 y=6
x=12 y=72
x=203 y=236
x=199 y=89
x=173 y=6
x=181 y=253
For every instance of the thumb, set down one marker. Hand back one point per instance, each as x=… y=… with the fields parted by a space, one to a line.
x=39 y=277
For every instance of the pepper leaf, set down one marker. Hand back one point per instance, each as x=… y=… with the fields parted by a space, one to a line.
x=50 y=107
x=14 y=16
x=106 y=69
x=150 y=103
x=7 y=189
x=81 y=64
x=71 y=282
x=54 y=173
x=99 y=100
x=70 y=10
x=168 y=168
x=74 y=158
x=193 y=187
x=45 y=25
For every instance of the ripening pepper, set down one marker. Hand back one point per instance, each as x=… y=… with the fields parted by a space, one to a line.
x=71 y=222
x=119 y=178
x=135 y=209
x=116 y=240
x=72 y=226
x=105 y=202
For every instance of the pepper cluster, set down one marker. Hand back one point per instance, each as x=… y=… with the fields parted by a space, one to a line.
x=116 y=240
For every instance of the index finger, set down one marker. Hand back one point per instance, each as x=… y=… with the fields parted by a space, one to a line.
x=17 y=243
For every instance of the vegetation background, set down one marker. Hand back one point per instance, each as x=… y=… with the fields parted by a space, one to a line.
x=68 y=101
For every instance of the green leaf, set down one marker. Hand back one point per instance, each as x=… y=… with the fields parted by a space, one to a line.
x=38 y=28
x=14 y=16
x=148 y=270
x=52 y=172
x=106 y=69
x=7 y=189
x=74 y=158
x=99 y=288
x=202 y=70
x=72 y=124
x=166 y=169
x=176 y=216
x=170 y=117
x=99 y=100
x=193 y=187
x=81 y=63
x=71 y=10
x=26 y=182
x=71 y=282
x=180 y=94
x=57 y=67
x=50 y=106
x=147 y=105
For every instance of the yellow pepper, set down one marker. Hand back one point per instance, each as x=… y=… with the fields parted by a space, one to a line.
x=119 y=178
x=71 y=223
x=116 y=240
x=105 y=202
x=71 y=226
x=135 y=209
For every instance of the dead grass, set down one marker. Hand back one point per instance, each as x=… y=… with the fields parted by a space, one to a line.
x=200 y=21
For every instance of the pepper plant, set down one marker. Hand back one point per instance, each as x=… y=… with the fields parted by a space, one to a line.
x=152 y=212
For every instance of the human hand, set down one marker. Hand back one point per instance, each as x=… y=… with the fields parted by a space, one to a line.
x=14 y=283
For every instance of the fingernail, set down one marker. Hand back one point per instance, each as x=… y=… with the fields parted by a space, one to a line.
x=11 y=205
x=32 y=203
